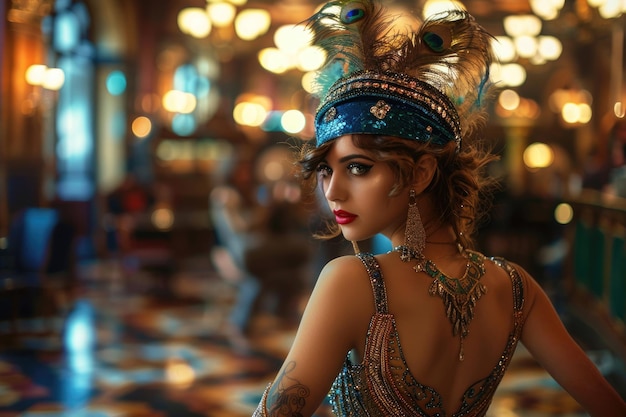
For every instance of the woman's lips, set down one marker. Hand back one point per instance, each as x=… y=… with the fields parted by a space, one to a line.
x=344 y=217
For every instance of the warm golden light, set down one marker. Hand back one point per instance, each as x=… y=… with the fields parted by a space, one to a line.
x=293 y=121
x=522 y=25
x=619 y=110
x=179 y=373
x=509 y=100
x=233 y=2
x=141 y=127
x=194 y=21
x=54 y=78
x=611 y=9
x=538 y=155
x=573 y=113
x=252 y=23
x=308 y=82
x=511 y=75
x=526 y=46
x=292 y=38
x=274 y=60
x=163 y=218
x=547 y=10
x=35 y=74
x=179 y=102
x=221 y=14
x=563 y=213
x=585 y=113
x=311 y=58
x=249 y=114
x=432 y=7
x=550 y=47
x=504 y=48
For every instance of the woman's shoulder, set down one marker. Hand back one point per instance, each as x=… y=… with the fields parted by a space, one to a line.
x=507 y=268
x=345 y=280
x=346 y=274
x=347 y=267
x=524 y=284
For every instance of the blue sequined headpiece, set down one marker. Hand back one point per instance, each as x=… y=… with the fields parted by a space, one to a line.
x=387 y=105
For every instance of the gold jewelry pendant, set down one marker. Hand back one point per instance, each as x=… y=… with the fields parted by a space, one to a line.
x=459 y=295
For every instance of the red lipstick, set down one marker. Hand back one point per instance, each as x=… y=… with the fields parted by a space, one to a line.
x=344 y=217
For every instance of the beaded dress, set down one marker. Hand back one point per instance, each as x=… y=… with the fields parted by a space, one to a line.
x=382 y=384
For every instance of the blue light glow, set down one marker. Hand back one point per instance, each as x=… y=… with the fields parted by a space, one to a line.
x=116 y=83
x=66 y=32
x=183 y=124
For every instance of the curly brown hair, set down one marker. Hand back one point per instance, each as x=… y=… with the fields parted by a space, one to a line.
x=461 y=188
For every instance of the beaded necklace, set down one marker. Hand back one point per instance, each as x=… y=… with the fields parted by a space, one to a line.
x=459 y=295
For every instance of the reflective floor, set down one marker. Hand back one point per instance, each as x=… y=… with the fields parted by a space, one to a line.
x=131 y=347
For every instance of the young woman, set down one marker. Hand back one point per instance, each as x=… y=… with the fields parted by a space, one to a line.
x=429 y=328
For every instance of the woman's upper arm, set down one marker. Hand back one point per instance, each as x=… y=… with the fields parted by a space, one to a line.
x=337 y=312
x=557 y=352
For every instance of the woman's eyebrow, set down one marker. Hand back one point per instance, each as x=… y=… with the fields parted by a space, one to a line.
x=354 y=156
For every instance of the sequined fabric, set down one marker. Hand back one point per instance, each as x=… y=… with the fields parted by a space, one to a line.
x=387 y=104
x=382 y=385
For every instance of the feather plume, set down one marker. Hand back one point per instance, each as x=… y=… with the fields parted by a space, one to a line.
x=449 y=50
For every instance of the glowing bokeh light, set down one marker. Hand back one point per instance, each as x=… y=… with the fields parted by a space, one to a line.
x=504 y=48
x=509 y=100
x=54 y=78
x=179 y=102
x=563 y=213
x=311 y=58
x=221 y=14
x=293 y=121
x=163 y=218
x=194 y=21
x=292 y=38
x=116 y=83
x=249 y=114
x=252 y=23
x=184 y=124
x=432 y=7
x=308 y=82
x=141 y=127
x=35 y=74
x=274 y=60
x=538 y=155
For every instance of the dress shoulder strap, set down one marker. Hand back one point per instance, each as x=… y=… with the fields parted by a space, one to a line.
x=376 y=279
x=516 y=280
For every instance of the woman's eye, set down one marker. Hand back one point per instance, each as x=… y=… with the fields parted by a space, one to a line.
x=324 y=170
x=358 y=169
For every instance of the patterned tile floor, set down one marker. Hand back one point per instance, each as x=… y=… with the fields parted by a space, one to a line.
x=123 y=352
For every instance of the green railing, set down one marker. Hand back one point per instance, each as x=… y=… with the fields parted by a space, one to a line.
x=599 y=253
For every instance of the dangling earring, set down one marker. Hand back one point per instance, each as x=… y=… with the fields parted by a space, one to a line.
x=355 y=247
x=414 y=234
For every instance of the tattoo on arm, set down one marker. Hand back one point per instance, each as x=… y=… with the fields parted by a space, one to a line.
x=287 y=395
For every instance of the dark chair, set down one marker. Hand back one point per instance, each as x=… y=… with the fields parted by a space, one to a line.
x=38 y=273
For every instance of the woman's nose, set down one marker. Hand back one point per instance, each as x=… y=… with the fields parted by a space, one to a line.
x=334 y=189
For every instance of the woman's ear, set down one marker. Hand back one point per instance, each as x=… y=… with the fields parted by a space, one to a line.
x=425 y=168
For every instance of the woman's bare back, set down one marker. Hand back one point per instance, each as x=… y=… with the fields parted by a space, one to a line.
x=431 y=351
